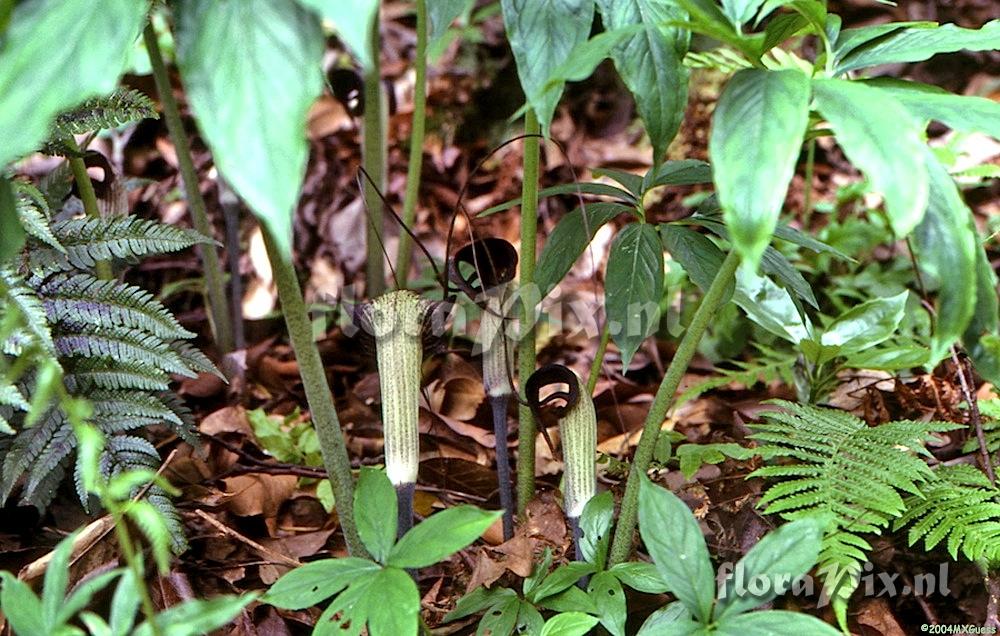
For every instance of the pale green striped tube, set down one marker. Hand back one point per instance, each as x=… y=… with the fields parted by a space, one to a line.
x=396 y=319
x=496 y=348
x=578 y=429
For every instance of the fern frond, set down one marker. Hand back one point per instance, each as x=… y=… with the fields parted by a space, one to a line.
x=19 y=296
x=48 y=469
x=121 y=107
x=990 y=411
x=187 y=430
x=194 y=359
x=129 y=346
x=767 y=365
x=834 y=465
x=108 y=303
x=26 y=449
x=107 y=373
x=34 y=214
x=94 y=239
x=112 y=407
x=959 y=505
x=11 y=398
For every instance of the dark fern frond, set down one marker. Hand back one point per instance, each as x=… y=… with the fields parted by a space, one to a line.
x=34 y=214
x=95 y=239
x=107 y=303
x=834 y=465
x=121 y=107
x=959 y=505
x=117 y=405
x=187 y=430
x=107 y=373
x=18 y=296
x=130 y=346
x=194 y=358
x=26 y=448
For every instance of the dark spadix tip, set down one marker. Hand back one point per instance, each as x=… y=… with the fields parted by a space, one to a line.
x=493 y=262
x=552 y=374
x=349 y=89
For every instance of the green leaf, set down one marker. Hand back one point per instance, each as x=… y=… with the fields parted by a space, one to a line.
x=568 y=240
x=881 y=138
x=633 y=286
x=670 y=620
x=643 y=577
x=848 y=40
x=770 y=306
x=630 y=181
x=559 y=580
x=778 y=559
x=154 y=527
x=595 y=525
x=681 y=172
x=441 y=13
x=124 y=604
x=696 y=253
x=964 y=113
x=501 y=619
x=674 y=540
x=866 y=325
x=238 y=60
x=398 y=608
x=542 y=35
x=569 y=624
x=196 y=617
x=529 y=619
x=586 y=56
x=350 y=608
x=893 y=357
x=355 y=23
x=707 y=18
x=650 y=64
x=740 y=12
x=982 y=330
x=56 y=580
x=757 y=133
x=572 y=599
x=55 y=54
x=774 y=622
x=918 y=43
x=12 y=237
x=440 y=536
x=82 y=595
x=22 y=607
x=478 y=600
x=946 y=244
x=375 y=508
x=314 y=582
x=693 y=456
x=609 y=597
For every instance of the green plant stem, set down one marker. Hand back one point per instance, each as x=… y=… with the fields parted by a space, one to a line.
x=89 y=198
x=215 y=290
x=413 y=170
x=130 y=555
x=374 y=158
x=621 y=546
x=527 y=430
x=318 y=395
x=807 y=205
x=595 y=366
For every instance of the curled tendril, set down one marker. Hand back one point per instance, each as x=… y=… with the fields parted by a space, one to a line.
x=546 y=376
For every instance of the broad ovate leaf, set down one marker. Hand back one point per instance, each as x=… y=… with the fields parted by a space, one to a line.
x=884 y=140
x=673 y=538
x=633 y=285
x=252 y=69
x=650 y=64
x=54 y=55
x=946 y=244
x=757 y=133
x=542 y=34
x=355 y=23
